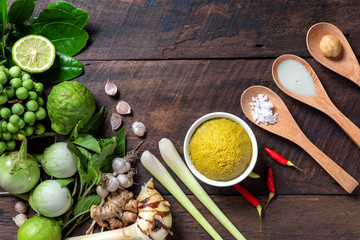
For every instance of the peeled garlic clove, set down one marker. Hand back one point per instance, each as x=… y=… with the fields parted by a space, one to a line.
x=110 y=88
x=115 y=121
x=139 y=129
x=123 y=108
x=20 y=219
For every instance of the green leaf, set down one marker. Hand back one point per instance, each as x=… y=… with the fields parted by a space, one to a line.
x=83 y=161
x=80 y=14
x=94 y=173
x=4 y=14
x=67 y=38
x=106 y=165
x=23 y=196
x=76 y=131
x=44 y=135
x=21 y=10
x=85 y=204
x=63 y=69
x=56 y=15
x=85 y=152
x=107 y=149
x=120 y=149
x=64 y=182
x=95 y=122
x=88 y=141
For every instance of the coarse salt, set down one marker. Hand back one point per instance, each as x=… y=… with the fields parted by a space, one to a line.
x=261 y=110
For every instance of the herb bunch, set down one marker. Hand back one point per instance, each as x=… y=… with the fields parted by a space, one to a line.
x=61 y=22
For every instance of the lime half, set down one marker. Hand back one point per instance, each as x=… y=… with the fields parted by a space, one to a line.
x=34 y=53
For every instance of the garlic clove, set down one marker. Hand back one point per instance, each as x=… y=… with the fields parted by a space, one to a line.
x=110 y=88
x=115 y=121
x=139 y=129
x=20 y=219
x=123 y=108
x=125 y=180
x=102 y=192
x=20 y=207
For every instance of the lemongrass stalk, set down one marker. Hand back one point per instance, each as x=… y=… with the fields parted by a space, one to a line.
x=155 y=167
x=175 y=162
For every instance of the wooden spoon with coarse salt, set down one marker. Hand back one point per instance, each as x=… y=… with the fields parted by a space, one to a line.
x=286 y=127
x=320 y=101
x=346 y=64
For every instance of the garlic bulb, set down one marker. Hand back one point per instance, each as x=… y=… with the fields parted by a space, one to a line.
x=139 y=129
x=125 y=180
x=123 y=108
x=20 y=219
x=20 y=207
x=119 y=165
x=102 y=192
x=115 y=121
x=110 y=88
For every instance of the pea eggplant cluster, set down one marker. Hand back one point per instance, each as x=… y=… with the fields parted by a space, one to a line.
x=21 y=106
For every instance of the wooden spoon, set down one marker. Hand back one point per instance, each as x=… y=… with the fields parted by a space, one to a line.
x=346 y=64
x=321 y=101
x=286 y=127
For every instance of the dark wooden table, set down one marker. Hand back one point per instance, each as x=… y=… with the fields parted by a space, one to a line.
x=177 y=60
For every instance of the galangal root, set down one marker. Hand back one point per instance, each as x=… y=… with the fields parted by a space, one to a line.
x=153 y=222
x=120 y=210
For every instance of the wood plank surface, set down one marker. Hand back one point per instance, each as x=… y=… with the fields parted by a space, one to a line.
x=175 y=61
x=287 y=217
x=161 y=29
x=168 y=96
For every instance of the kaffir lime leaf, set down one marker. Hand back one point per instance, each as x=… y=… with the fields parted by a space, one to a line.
x=68 y=103
x=34 y=53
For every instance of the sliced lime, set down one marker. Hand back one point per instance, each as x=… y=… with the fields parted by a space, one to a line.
x=34 y=53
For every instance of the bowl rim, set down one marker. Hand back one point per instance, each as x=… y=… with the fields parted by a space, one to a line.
x=191 y=131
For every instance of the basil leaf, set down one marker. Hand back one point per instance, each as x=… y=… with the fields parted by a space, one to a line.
x=95 y=122
x=21 y=10
x=106 y=151
x=87 y=141
x=120 y=149
x=76 y=131
x=4 y=15
x=67 y=38
x=56 y=15
x=106 y=165
x=82 y=161
x=94 y=173
x=80 y=14
x=85 y=204
x=63 y=69
x=65 y=182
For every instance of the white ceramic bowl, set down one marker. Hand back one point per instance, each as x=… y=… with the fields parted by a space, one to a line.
x=248 y=130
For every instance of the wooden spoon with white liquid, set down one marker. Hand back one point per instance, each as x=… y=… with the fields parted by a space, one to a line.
x=321 y=101
x=286 y=127
x=346 y=64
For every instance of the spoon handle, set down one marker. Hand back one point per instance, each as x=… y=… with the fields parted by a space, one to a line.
x=340 y=175
x=348 y=126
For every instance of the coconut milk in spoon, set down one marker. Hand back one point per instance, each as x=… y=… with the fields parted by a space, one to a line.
x=296 y=78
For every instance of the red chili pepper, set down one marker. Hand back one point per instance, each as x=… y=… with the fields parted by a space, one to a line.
x=250 y=198
x=280 y=159
x=271 y=187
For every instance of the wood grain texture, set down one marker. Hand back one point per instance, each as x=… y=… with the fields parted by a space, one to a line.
x=168 y=96
x=287 y=217
x=160 y=29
